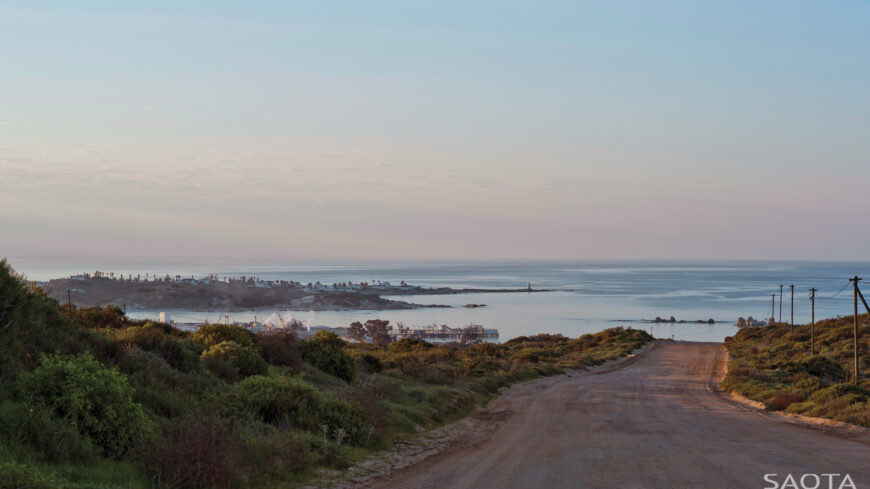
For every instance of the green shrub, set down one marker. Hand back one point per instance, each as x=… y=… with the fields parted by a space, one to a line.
x=821 y=367
x=108 y=317
x=95 y=399
x=149 y=336
x=334 y=456
x=19 y=476
x=180 y=355
x=162 y=340
x=281 y=348
x=372 y=363
x=272 y=456
x=851 y=391
x=158 y=387
x=31 y=322
x=212 y=334
x=53 y=439
x=274 y=401
x=232 y=361
x=199 y=453
x=285 y=401
x=326 y=352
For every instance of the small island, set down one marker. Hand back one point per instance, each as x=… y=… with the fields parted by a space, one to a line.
x=211 y=292
x=673 y=320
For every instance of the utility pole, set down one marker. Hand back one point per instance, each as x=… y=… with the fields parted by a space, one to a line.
x=855 y=281
x=69 y=302
x=772 y=307
x=780 y=302
x=812 y=321
x=791 y=328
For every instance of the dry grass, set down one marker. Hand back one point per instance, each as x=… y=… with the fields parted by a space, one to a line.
x=774 y=366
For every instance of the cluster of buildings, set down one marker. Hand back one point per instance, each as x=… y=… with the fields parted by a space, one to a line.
x=751 y=322
x=445 y=333
x=311 y=287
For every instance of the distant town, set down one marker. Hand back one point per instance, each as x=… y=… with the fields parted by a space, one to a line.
x=211 y=292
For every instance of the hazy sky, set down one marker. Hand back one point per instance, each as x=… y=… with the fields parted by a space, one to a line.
x=446 y=130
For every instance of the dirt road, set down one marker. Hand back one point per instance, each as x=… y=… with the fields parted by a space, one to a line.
x=654 y=423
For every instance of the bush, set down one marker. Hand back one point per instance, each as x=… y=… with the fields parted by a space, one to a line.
x=275 y=401
x=108 y=317
x=200 y=452
x=31 y=322
x=95 y=399
x=326 y=352
x=147 y=337
x=232 y=361
x=180 y=355
x=53 y=439
x=161 y=340
x=19 y=476
x=284 y=401
x=822 y=367
x=281 y=348
x=783 y=400
x=409 y=344
x=215 y=333
x=275 y=455
x=372 y=363
x=851 y=391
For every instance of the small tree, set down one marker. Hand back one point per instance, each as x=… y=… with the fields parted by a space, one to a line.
x=379 y=331
x=356 y=331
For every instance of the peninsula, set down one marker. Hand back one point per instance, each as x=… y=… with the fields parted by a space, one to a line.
x=239 y=293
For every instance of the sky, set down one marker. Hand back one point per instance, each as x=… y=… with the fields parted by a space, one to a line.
x=436 y=130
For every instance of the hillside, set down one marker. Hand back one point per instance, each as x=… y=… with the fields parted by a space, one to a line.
x=90 y=398
x=774 y=366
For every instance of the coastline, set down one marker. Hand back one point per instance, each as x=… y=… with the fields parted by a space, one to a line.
x=245 y=294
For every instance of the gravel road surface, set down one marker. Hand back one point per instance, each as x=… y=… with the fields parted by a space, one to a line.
x=654 y=422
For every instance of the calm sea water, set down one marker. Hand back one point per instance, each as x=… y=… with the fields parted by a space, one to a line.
x=589 y=296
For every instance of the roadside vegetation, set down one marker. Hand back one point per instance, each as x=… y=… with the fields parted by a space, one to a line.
x=774 y=366
x=92 y=399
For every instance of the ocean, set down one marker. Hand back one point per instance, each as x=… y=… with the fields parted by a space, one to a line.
x=587 y=296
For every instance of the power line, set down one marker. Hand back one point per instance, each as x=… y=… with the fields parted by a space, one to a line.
x=838 y=292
